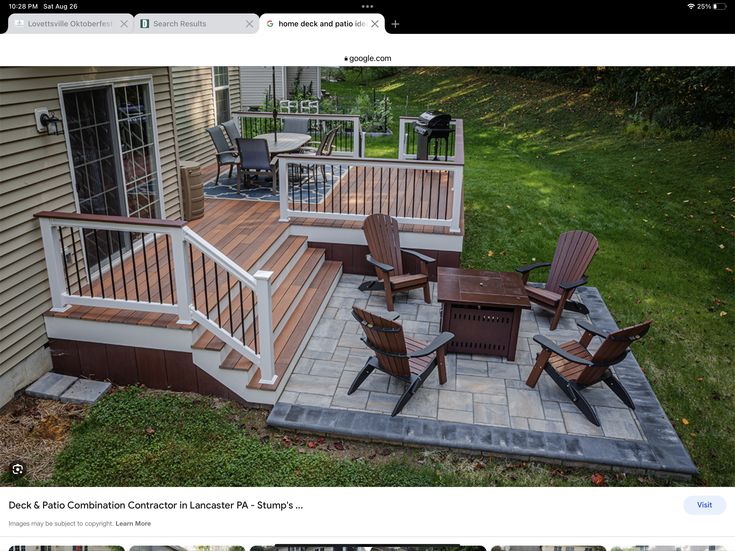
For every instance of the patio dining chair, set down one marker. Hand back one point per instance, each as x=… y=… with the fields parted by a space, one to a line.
x=386 y=256
x=226 y=156
x=233 y=132
x=399 y=356
x=296 y=126
x=255 y=158
x=572 y=257
x=573 y=367
x=307 y=173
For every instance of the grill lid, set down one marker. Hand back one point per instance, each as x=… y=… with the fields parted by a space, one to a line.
x=434 y=119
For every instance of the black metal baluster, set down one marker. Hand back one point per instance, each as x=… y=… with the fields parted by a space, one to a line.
x=389 y=171
x=431 y=189
x=364 y=188
x=135 y=268
x=122 y=265
x=216 y=288
x=242 y=313
x=109 y=262
x=446 y=199
x=229 y=301
x=193 y=281
x=99 y=263
x=255 y=325
x=206 y=295
x=171 y=267
x=421 y=200
x=413 y=195
x=348 y=191
x=63 y=258
x=76 y=260
x=145 y=265
x=158 y=269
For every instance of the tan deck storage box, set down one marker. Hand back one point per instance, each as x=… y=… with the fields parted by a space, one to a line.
x=192 y=190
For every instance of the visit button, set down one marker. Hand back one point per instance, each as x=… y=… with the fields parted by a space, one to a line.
x=704 y=505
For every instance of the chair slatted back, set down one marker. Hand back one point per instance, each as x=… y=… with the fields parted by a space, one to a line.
x=326 y=146
x=254 y=154
x=383 y=239
x=219 y=140
x=573 y=254
x=612 y=350
x=233 y=132
x=384 y=336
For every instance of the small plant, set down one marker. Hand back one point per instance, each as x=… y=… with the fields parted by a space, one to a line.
x=375 y=113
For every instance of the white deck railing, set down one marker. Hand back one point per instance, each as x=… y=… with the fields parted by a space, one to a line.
x=349 y=141
x=451 y=150
x=154 y=271
x=425 y=193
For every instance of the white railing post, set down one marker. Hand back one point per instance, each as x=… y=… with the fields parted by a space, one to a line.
x=401 y=139
x=457 y=183
x=356 y=130
x=264 y=314
x=181 y=276
x=54 y=256
x=283 y=189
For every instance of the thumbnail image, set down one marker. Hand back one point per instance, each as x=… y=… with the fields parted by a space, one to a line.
x=549 y=548
x=671 y=548
x=187 y=548
x=340 y=276
x=310 y=548
x=66 y=548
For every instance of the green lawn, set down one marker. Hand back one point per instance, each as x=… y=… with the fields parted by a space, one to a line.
x=540 y=159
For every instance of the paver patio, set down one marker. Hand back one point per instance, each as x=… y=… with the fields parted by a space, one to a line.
x=483 y=393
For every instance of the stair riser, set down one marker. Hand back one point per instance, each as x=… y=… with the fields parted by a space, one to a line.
x=294 y=303
x=272 y=396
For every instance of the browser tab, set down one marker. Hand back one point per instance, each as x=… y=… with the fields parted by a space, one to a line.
x=197 y=23
x=63 y=23
x=333 y=22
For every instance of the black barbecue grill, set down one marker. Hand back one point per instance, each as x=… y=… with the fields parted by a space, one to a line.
x=432 y=126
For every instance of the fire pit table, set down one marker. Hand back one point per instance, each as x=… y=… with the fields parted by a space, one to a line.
x=482 y=309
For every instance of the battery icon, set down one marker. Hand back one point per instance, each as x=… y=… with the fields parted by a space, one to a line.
x=720 y=6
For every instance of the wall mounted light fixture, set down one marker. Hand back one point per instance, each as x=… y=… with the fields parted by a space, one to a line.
x=46 y=122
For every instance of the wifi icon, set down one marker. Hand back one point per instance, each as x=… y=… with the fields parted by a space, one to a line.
x=690 y=6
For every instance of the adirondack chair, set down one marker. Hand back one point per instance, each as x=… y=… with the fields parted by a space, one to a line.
x=574 y=252
x=381 y=233
x=573 y=367
x=399 y=356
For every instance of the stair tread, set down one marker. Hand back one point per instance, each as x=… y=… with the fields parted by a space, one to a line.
x=281 y=257
x=282 y=297
x=287 y=343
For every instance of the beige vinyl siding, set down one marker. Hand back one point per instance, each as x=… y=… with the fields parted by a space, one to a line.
x=255 y=82
x=307 y=76
x=34 y=176
x=194 y=101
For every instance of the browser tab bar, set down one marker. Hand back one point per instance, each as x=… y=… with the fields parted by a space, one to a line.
x=63 y=23
x=314 y=22
x=197 y=23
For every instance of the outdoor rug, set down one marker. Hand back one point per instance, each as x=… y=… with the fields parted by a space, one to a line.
x=312 y=191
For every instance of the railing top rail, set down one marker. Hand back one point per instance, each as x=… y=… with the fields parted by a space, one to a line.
x=368 y=161
x=105 y=219
x=269 y=114
x=218 y=256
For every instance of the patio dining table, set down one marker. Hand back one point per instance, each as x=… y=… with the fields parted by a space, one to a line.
x=287 y=141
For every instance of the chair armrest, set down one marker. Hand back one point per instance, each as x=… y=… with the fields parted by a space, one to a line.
x=274 y=161
x=526 y=269
x=590 y=328
x=438 y=342
x=379 y=265
x=551 y=346
x=421 y=257
x=574 y=284
x=230 y=152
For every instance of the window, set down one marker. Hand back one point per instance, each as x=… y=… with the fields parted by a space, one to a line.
x=221 y=94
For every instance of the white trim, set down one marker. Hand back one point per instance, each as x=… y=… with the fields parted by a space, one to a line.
x=355 y=236
x=215 y=89
x=123 y=334
x=99 y=302
x=361 y=217
x=226 y=337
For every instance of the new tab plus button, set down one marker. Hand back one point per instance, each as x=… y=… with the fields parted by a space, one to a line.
x=704 y=505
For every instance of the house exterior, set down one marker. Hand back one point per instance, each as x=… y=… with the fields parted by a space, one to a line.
x=203 y=97
x=255 y=82
x=117 y=153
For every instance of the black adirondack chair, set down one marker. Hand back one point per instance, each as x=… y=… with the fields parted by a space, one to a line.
x=573 y=367
x=399 y=356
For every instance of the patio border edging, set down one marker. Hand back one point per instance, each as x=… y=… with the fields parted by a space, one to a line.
x=662 y=452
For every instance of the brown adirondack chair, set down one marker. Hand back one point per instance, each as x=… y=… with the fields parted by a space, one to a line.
x=399 y=356
x=574 y=368
x=383 y=239
x=574 y=252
